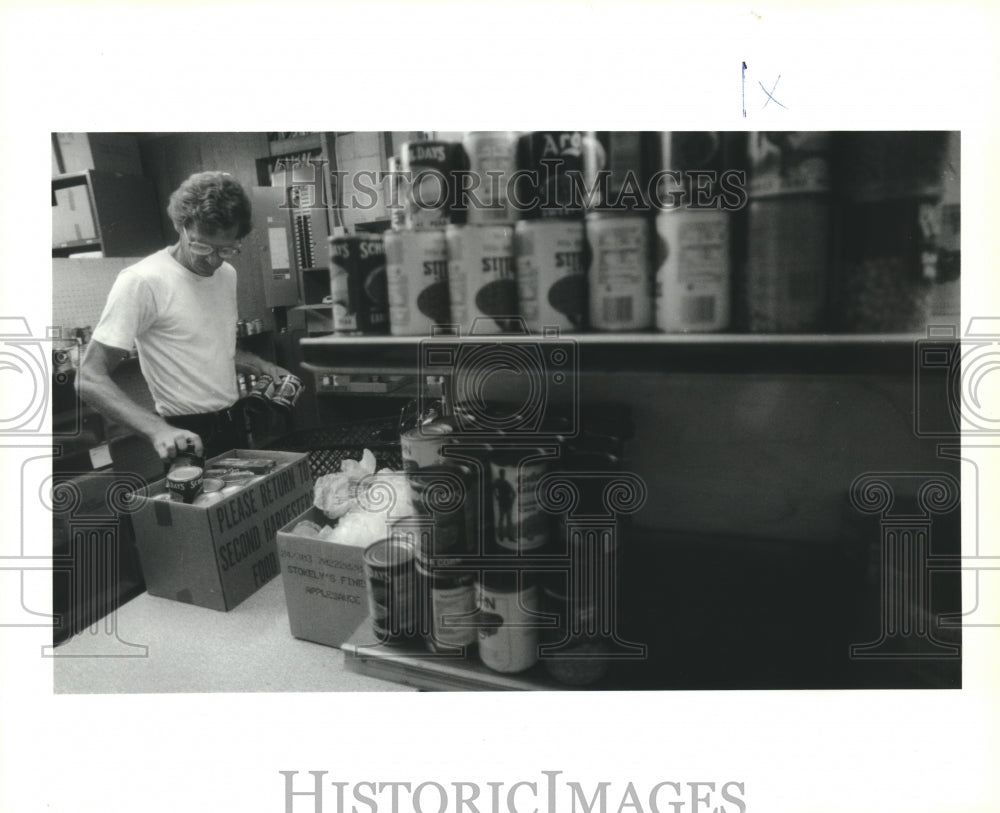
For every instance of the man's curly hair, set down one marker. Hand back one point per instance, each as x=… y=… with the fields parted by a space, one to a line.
x=212 y=201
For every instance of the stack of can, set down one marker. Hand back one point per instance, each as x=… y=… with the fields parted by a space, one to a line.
x=482 y=281
x=619 y=240
x=416 y=252
x=358 y=285
x=549 y=235
x=445 y=538
x=790 y=225
x=693 y=276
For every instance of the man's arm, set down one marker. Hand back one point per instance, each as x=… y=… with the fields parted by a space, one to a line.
x=247 y=362
x=95 y=386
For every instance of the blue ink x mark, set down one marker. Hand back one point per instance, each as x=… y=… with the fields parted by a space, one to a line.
x=770 y=96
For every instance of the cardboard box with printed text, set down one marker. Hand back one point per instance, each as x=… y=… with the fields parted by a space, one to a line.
x=216 y=556
x=325 y=587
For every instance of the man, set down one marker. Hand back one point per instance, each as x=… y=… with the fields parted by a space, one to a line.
x=178 y=308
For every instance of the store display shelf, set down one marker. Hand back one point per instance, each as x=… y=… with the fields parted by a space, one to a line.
x=412 y=665
x=610 y=352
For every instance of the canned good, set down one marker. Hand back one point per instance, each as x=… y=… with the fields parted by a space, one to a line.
x=448 y=606
x=615 y=170
x=508 y=632
x=238 y=477
x=550 y=168
x=449 y=493
x=551 y=274
x=417 y=281
x=788 y=163
x=572 y=652
x=257 y=465
x=693 y=277
x=788 y=262
x=209 y=498
x=891 y=252
x=620 y=275
x=422 y=445
x=389 y=568
x=519 y=523
x=185 y=482
x=288 y=391
x=689 y=168
x=491 y=158
x=432 y=167
x=482 y=288
x=262 y=389
x=212 y=484
x=789 y=225
x=396 y=191
x=358 y=285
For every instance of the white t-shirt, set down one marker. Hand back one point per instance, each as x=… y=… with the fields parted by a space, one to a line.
x=184 y=328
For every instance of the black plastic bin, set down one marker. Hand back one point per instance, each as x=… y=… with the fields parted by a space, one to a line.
x=328 y=446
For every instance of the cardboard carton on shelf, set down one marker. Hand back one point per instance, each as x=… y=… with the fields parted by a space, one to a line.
x=216 y=556
x=325 y=587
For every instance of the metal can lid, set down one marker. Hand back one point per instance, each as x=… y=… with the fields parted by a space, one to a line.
x=387 y=554
x=183 y=474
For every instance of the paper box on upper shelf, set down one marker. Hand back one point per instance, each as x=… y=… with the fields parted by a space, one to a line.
x=216 y=556
x=325 y=587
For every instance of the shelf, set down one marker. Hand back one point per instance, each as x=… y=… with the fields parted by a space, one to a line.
x=70 y=179
x=75 y=246
x=319 y=306
x=659 y=352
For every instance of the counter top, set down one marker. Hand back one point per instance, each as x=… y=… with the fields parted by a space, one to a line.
x=154 y=645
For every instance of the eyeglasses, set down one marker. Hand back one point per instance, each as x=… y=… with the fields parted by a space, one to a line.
x=204 y=249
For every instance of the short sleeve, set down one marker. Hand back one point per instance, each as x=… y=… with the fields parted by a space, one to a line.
x=128 y=313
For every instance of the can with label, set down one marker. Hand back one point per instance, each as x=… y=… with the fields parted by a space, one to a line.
x=616 y=170
x=693 y=276
x=551 y=274
x=262 y=389
x=572 y=652
x=185 y=482
x=549 y=176
x=482 y=287
x=689 y=165
x=433 y=169
x=620 y=274
x=519 y=522
x=422 y=445
x=288 y=392
x=448 y=493
x=448 y=606
x=396 y=191
x=389 y=568
x=508 y=623
x=491 y=159
x=358 y=285
x=790 y=232
x=417 y=281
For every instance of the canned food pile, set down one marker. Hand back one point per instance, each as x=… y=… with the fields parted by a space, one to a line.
x=630 y=231
x=188 y=481
x=464 y=559
x=263 y=391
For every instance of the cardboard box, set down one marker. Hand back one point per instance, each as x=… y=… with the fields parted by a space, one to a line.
x=325 y=586
x=218 y=555
x=109 y=152
x=72 y=216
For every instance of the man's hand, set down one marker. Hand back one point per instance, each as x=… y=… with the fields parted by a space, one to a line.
x=273 y=370
x=169 y=441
